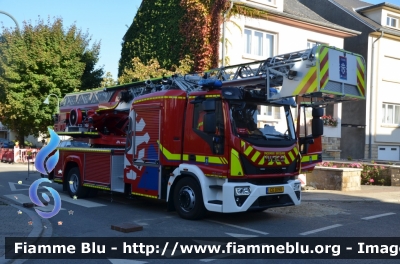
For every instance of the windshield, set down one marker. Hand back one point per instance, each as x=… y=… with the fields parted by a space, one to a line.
x=262 y=124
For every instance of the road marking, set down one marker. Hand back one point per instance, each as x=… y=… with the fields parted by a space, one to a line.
x=240 y=227
x=320 y=229
x=80 y=202
x=13 y=188
x=377 y=216
x=22 y=198
x=241 y=236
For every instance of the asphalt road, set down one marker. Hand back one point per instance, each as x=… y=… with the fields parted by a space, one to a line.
x=93 y=217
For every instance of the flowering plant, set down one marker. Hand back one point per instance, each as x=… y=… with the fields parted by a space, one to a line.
x=329 y=121
x=372 y=174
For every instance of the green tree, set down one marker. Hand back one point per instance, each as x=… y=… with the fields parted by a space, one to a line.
x=37 y=61
x=91 y=77
x=108 y=80
x=140 y=71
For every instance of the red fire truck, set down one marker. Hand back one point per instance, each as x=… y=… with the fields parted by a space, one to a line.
x=223 y=141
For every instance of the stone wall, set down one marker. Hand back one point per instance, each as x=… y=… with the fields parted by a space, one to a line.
x=340 y=179
x=374 y=152
x=395 y=175
x=331 y=147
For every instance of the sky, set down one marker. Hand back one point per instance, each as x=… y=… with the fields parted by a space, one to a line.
x=106 y=21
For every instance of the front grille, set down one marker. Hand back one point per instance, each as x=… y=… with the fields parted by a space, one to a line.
x=251 y=169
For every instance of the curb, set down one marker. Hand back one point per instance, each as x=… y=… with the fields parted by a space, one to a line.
x=38 y=231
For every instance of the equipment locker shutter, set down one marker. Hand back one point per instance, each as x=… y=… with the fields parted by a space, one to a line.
x=147 y=134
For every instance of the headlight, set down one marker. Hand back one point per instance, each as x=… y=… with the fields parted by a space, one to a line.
x=240 y=191
x=296 y=186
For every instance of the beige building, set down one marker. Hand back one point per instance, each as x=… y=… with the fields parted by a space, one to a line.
x=288 y=26
x=372 y=128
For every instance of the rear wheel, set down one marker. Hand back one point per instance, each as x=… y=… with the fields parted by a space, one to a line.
x=75 y=187
x=188 y=199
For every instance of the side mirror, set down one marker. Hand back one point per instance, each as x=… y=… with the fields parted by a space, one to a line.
x=317 y=112
x=317 y=124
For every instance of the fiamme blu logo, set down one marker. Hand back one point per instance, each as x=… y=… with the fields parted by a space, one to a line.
x=45 y=163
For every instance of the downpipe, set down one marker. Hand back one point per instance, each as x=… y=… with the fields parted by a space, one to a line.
x=370 y=96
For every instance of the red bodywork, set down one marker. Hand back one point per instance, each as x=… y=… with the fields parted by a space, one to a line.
x=160 y=136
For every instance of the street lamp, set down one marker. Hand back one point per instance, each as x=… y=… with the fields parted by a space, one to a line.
x=46 y=101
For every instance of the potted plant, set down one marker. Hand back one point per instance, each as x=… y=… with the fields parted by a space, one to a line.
x=329 y=121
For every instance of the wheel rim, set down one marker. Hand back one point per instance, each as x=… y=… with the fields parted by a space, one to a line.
x=75 y=182
x=187 y=198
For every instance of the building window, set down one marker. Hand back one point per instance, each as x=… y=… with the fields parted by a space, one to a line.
x=391 y=114
x=258 y=43
x=391 y=22
x=271 y=111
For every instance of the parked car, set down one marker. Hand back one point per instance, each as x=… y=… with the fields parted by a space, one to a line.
x=73 y=144
x=4 y=143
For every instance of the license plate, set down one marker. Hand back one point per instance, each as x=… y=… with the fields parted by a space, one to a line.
x=279 y=189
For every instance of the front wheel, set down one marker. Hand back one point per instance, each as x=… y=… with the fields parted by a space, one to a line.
x=74 y=184
x=188 y=199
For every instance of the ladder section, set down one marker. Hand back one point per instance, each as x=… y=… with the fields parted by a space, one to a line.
x=323 y=73
x=279 y=65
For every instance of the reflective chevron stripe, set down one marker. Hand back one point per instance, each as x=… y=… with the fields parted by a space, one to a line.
x=308 y=84
x=309 y=158
x=269 y=158
x=185 y=157
x=360 y=76
x=236 y=166
x=323 y=66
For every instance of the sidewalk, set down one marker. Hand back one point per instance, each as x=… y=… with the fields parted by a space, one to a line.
x=17 y=221
x=368 y=193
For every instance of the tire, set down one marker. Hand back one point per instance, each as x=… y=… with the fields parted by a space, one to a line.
x=188 y=199
x=74 y=185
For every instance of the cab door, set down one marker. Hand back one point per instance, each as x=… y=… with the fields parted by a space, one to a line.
x=205 y=140
x=309 y=132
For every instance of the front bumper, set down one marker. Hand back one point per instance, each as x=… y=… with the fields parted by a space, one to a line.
x=259 y=198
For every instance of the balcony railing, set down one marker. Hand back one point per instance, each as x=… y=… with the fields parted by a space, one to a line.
x=3 y=128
